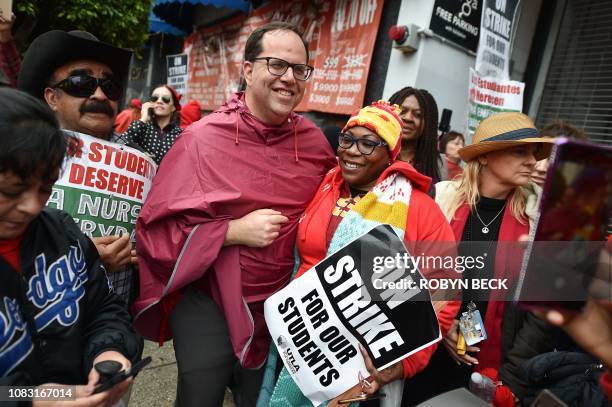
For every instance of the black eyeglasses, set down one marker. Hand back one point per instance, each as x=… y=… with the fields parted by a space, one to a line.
x=364 y=145
x=83 y=86
x=278 y=67
x=164 y=98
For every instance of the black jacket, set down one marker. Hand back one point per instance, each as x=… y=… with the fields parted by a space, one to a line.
x=58 y=313
x=571 y=376
x=525 y=336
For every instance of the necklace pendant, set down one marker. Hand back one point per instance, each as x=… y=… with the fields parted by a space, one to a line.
x=485 y=230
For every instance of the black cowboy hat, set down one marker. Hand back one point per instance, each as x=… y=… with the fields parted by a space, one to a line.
x=55 y=48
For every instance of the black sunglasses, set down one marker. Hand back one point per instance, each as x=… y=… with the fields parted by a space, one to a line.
x=164 y=98
x=83 y=86
x=364 y=145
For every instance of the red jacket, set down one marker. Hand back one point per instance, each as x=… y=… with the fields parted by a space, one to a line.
x=606 y=384
x=508 y=259
x=190 y=113
x=425 y=229
x=222 y=168
x=125 y=118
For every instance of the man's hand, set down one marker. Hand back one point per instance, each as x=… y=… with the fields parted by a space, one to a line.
x=450 y=343
x=256 y=229
x=84 y=397
x=115 y=392
x=6 y=26
x=115 y=251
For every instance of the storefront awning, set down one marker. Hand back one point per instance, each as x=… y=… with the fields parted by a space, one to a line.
x=179 y=13
x=157 y=25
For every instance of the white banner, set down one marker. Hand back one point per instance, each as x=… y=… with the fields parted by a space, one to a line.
x=488 y=96
x=490 y=89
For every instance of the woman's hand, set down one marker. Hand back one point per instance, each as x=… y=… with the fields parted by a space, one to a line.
x=450 y=343
x=374 y=382
x=144 y=112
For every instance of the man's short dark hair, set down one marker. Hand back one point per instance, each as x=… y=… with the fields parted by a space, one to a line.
x=559 y=128
x=253 y=46
x=31 y=141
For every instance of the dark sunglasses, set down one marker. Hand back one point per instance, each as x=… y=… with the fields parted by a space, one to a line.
x=165 y=98
x=364 y=145
x=83 y=86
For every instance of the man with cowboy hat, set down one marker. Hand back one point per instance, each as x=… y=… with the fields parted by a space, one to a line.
x=82 y=80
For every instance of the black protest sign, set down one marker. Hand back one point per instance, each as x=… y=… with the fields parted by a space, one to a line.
x=381 y=306
x=178 y=72
x=457 y=21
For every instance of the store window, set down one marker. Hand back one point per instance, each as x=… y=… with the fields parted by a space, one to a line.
x=578 y=86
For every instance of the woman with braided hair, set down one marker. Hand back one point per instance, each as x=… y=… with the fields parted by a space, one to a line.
x=420 y=132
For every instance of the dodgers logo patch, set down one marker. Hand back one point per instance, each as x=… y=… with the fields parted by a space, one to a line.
x=15 y=341
x=57 y=288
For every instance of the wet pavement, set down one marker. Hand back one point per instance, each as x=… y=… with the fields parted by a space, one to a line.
x=155 y=386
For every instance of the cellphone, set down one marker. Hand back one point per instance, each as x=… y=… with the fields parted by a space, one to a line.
x=362 y=397
x=151 y=112
x=547 y=399
x=122 y=375
x=560 y=266
x=6 y=9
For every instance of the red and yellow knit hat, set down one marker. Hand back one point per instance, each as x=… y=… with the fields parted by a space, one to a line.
x=383 y=119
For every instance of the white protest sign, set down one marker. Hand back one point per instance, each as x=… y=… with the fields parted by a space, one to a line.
x=318 y=321
x=493 y=56
x=488 y=96
x=103 y=185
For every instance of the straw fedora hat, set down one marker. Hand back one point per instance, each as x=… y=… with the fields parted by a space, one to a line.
x=505 y=130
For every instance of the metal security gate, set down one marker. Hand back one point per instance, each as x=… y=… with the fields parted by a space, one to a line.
x=578 y=87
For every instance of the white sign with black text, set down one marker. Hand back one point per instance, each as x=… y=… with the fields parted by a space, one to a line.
x=178 y=72
x=318 y=321
x=493 y=56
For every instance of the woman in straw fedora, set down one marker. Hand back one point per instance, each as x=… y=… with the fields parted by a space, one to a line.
x=369 y=186
x=489 y=209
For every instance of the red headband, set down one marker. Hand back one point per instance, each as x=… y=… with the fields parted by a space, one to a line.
x=177 y=97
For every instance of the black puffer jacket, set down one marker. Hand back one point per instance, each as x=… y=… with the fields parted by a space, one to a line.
x=524 y=337
x=571 y=376
x=58 y=313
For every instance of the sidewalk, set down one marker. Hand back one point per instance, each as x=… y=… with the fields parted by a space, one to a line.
x=155 y=386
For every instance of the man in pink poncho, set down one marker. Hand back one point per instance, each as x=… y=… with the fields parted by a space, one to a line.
x=216 y=234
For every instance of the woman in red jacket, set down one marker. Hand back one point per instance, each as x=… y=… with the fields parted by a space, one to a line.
x=489 y=209
x=369 y=186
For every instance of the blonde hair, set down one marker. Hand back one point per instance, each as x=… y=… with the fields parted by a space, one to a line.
x=468 y=192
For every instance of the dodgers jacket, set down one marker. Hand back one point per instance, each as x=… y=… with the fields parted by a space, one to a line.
x=58 y=313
